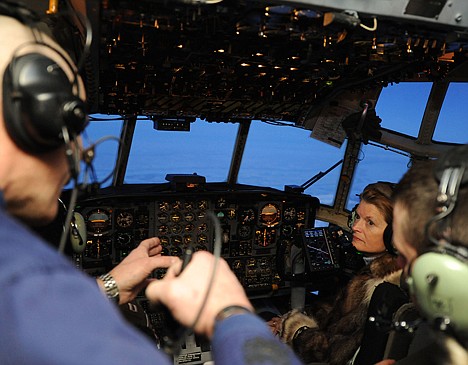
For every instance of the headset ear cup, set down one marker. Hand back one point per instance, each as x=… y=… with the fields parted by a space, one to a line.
x=352 y=217
x=388 y=239
x=435 y=286
x=38 y=102
x=78 y=233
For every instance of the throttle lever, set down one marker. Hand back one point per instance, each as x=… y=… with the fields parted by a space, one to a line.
x=171 y=340
x=174 y=331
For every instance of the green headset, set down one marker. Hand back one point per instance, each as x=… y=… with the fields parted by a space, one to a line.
x=438 y=280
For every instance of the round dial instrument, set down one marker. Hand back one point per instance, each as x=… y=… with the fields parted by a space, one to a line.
x=189 y=217
x=202 y=205
x=163 y=229
x=164 y=240
x=289 y=214
x=142 y=218
x=187 y=239
x=221 y=203
x=124 y=239
x=98 y=221
x=177 y=205
x=270 y=215
x=244 y=231
x=176 y=228
x=164 y=206
x=287 y=230
x=124 y=219
x=247 y=215
x=163 y=218
x=176 y=217
x=231 y=213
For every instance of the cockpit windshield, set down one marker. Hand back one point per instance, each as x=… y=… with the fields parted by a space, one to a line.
x=277 y=154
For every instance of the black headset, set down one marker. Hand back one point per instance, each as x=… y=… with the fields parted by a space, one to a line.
x=439 y=278
x=388 y=240
x=41 y=106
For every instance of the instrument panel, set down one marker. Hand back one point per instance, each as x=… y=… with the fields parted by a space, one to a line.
x=258 y=227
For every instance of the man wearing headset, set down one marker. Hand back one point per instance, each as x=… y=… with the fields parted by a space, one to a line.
x=51 y=313
x=430 y=232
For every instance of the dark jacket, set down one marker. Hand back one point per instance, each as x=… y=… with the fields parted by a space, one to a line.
x=334 y=333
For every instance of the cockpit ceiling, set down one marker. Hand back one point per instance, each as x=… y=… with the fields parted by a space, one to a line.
x=244 y=60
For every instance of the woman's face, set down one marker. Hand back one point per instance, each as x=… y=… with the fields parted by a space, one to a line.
x=368 y=229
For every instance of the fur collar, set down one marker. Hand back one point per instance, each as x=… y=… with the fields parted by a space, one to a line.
x=334 y=333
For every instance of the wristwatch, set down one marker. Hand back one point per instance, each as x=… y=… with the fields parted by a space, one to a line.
x=110 y=287
x=230 y=311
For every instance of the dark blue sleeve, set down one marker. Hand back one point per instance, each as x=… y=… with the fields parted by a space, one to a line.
x=51 y=313
x=59 y=319
x=246 y=339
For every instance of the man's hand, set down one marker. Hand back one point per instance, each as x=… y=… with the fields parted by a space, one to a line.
x=183 y=294
x=275 y=324
x=131 y=274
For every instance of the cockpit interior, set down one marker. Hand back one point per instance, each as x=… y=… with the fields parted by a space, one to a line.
x=273 y=115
